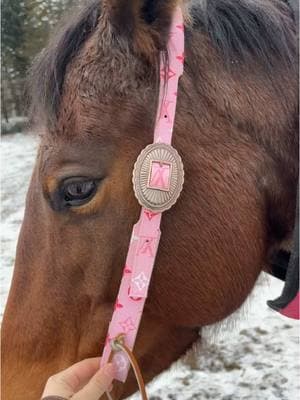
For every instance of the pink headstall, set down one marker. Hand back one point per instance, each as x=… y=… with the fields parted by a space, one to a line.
x=157 y=180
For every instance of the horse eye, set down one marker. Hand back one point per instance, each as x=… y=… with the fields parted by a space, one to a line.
x=77 y=191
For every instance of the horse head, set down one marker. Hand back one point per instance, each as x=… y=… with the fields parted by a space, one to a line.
x=94 y=99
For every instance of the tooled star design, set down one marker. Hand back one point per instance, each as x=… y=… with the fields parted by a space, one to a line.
x=140 y=281
x=167 y=74
x=127 y=325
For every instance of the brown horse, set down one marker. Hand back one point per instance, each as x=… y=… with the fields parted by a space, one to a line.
x=95 y=91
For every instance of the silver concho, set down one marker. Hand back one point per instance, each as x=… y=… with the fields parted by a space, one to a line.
x=158 y=177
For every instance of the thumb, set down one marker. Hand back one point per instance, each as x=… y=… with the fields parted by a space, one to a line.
x=98 y=385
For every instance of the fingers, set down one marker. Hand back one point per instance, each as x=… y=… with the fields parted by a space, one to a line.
x=80 y=373
x=98 y=385
x=69 y=381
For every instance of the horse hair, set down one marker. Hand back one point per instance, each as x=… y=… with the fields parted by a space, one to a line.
x=243 y=28
x=239 y=29
x=49 y=69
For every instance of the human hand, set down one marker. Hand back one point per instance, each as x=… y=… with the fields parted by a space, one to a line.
x=82 y=381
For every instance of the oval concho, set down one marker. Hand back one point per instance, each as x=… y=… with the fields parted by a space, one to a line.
x=158 y=177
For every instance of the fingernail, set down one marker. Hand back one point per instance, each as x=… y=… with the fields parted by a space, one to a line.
x=109 y=370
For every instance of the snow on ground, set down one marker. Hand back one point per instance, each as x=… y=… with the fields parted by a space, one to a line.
x=17 y=157
x=254 y=355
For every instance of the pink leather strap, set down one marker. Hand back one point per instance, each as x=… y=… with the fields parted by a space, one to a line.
x=170 y=77
x=146 y=233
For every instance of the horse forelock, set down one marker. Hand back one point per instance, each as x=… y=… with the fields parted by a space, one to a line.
x=240 y=31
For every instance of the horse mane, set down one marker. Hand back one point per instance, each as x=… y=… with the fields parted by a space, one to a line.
x=240 y=30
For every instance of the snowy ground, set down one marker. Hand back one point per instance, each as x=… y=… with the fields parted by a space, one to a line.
x=253 y=356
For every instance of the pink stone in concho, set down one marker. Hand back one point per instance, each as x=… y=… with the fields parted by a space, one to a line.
x=160 y=176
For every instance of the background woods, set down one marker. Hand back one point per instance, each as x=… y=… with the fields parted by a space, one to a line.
x=25 y=28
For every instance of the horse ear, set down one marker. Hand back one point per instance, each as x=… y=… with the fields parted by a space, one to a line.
x=144 y=23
